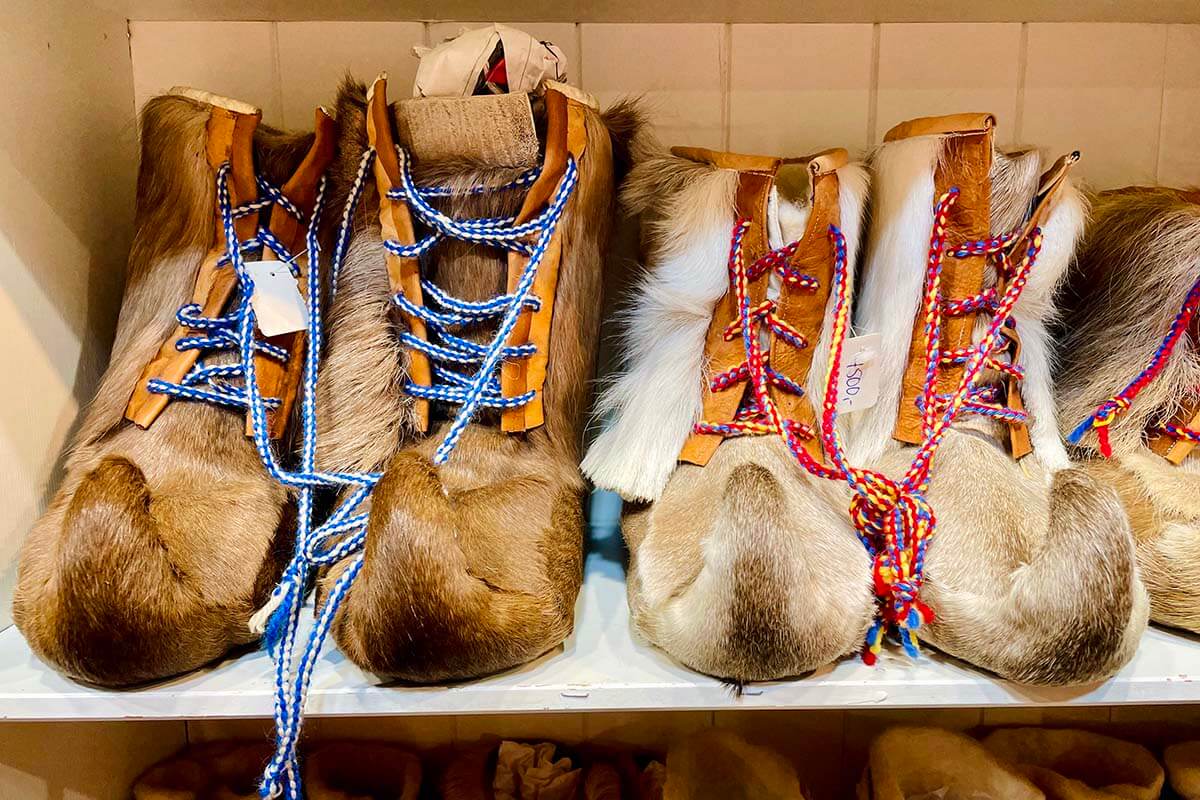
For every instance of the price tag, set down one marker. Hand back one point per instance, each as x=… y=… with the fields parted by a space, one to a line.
x=858 y=376
x=278 y=305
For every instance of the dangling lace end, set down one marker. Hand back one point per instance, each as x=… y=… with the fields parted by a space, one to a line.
x=260 y=620
x=1101 y=419
x=909 y=641
x=873 y=644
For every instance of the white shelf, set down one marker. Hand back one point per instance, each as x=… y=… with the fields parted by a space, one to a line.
x=665 y=10
x=602 y=667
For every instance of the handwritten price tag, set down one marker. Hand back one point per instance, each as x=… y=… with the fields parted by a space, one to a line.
x=858 y=378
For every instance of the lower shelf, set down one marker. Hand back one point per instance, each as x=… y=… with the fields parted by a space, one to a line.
x=603 y=667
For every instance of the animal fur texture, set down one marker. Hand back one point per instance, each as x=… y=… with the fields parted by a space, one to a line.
x=923 y=763
x=1031 y=572
x=473 y=566
x=746 y=568
x=1079 y=765
x=1136 y=264
x=160 y=543
x=229 y=770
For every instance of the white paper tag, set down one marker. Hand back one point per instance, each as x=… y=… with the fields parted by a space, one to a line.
x=278 y=305
x=858 y=377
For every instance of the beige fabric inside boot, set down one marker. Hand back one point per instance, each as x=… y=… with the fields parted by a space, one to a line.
x=718 y=765
x=362 y=771
x=1078 y=765
x=1183 y=769
x=216 y=771
x=936 y=764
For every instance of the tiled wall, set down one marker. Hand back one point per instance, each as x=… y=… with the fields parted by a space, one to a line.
x=1127 y=95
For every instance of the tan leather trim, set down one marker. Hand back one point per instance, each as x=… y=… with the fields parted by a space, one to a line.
x=210 y=99
x=751 y=203
x=1170 y=448
x=229 y=137
x=804 y=309
x=966 y=161
x=404 y=274
x=949 y=125
x=1020 y=444
x=276 y=379
x=515 y=375
x=573 y=93
x=825 y=161
x=734 y=161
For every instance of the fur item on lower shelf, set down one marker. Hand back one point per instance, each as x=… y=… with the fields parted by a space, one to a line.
x=936 y=764
x=1182 y=761
x=519 y=771
x=161 y=542
x=1137 y=268
x=742 y=565
x=214 y=771
x=1030 y=572
x=354 y=770
x=474 y=547
x=719 y=765
x=1078 y=765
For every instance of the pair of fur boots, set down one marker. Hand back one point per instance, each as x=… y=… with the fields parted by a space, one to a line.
x=173 y=524
x=1017 y=763
x=738 y=469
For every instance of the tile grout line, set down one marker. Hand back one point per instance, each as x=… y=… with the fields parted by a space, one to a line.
x=1022 y=69
x=1162 y=105
x=277 y=65
x=873 y=87
x=725 y=57
x=579 y=53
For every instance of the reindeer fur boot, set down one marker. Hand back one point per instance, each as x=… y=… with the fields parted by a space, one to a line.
x=226 y=770
x=936 y=764
x=1079 y=765
x=168 y=532
x=1031 y=572
x=742 y=565
x=474 y=547
x=1129 y=377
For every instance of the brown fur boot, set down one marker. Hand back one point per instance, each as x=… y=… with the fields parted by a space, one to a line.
x=1182 y=761
x=470 y=566
x=167 y=534
x=1030 y=573
x=742 y=565
x=213 y=771
x=1137 y=263
x=928 y=763
x=353 y=770
x=1078 y=765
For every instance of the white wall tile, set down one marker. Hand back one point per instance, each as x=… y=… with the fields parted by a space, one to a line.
x=235 y=59
x=676 y=68
x=1179 y=150
x=1082 y=717
x=565 y=728
x=929 y=70
x=81 y=760
x=1096 y=87
x=564 y=35
x=644 y=730
x=811 y=741
x=798 y=89
x=315 y=56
